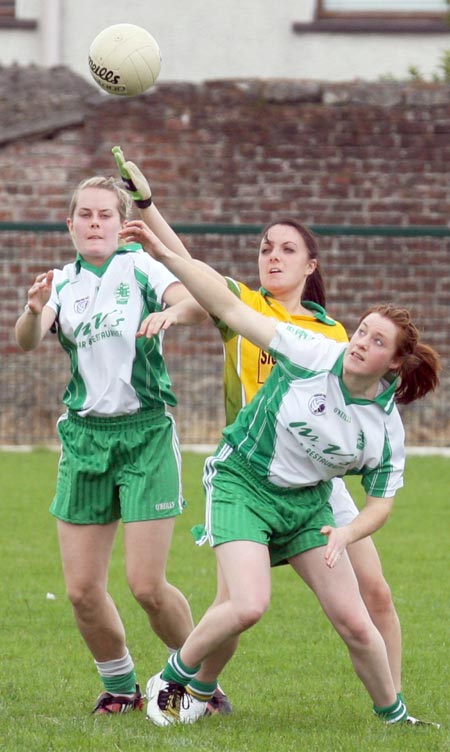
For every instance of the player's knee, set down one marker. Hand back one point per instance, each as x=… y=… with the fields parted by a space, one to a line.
x=85 y=597
x=356 y=631
x=377 y=596
x=149 y=595
x=248 y=613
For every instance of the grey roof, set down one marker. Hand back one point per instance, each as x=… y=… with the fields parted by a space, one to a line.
x=37 y=101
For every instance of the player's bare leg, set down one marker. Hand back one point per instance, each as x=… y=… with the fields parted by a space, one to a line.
x=147 y=547
x=376 y=594
x=85 y=553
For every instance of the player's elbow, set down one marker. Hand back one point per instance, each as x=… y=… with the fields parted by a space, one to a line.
x=25 y=342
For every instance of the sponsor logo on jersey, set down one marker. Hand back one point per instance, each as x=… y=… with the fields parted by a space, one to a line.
x=300 y=333
x=122 y=293
x=99 y=326
x=317 y=404
x=266 y=362
x=302 y=429
x=80 y=305
x=318 y=450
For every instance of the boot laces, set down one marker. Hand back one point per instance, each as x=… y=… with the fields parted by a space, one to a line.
x=171 y=697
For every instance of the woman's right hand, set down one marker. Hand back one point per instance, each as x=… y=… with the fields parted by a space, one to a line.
x=136 y=231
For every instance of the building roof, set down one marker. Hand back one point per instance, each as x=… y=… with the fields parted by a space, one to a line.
x=36 y=101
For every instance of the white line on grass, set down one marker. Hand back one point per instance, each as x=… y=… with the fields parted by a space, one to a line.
x=210 y=448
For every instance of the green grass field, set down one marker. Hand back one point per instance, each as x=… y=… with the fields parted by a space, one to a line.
x=291 y=682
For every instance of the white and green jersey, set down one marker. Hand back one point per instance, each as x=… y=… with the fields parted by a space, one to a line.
x=99 y=310
x=303 y=426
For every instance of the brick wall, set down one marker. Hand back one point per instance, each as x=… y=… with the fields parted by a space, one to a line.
x=244 y=152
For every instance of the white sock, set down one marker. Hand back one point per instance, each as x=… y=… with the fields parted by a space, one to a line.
x=116 y=667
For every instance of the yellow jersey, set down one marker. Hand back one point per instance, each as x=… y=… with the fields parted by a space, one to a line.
x=247 y=366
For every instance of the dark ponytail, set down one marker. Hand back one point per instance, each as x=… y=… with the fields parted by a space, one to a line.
x=314 y=289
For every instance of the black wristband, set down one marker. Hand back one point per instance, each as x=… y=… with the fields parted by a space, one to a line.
x=144 y=203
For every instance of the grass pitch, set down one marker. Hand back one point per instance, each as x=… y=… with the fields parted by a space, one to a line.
x=291 y=681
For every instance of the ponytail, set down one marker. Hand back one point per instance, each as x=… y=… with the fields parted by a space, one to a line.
x=314 y=289
x=418 y=374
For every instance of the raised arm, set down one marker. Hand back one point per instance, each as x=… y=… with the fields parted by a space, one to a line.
x=210 y=293
x=139 y=189
x=37 y=318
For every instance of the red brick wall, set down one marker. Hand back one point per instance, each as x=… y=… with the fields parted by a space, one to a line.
x=244 y=152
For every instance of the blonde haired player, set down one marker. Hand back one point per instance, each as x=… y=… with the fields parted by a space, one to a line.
x=120 y=453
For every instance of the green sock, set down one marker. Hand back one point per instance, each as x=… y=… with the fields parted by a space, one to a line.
x=124 y=684
x=177 y=671
x=392 y=713
x=203 y=691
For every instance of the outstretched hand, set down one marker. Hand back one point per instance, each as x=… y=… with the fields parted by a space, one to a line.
x=39 y=292
x=136 y=231
x=158 y=322
x=135 y=182
x=337 y=543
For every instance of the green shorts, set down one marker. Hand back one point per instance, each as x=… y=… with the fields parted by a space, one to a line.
x=242 y=505
x=125 y=467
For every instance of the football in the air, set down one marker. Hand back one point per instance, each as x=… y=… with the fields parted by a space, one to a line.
x=125 y=60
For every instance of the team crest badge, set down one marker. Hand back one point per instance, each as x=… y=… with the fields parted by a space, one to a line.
x=122 y=293
x=317 y=404
x=81 y=305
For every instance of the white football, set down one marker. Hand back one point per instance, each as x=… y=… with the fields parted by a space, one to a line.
x=125 y=60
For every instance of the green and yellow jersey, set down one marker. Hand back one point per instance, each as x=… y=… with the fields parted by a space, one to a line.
x=246 y=366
